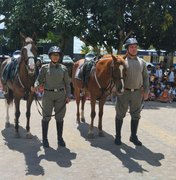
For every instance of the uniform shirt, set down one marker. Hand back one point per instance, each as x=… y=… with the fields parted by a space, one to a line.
x=54 y=76
x=136 y=75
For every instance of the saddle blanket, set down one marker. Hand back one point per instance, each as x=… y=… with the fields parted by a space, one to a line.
x=10 y=70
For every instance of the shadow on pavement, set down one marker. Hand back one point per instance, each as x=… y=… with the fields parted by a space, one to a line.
x=30 y=149
x=126 y=154
x=62 y=156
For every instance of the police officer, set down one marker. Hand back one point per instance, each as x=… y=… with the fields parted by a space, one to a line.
x=55 y=79
x=136 y=90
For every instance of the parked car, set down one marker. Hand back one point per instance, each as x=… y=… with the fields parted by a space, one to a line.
x=148 y=63
x=45 y=59
x=67 y=59
x=3 y=57
x=68 y=62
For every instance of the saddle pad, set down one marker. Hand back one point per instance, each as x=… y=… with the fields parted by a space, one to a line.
x=10 y=70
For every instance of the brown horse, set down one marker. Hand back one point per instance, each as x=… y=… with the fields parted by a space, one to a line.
x=108 y=71
x=19 y=87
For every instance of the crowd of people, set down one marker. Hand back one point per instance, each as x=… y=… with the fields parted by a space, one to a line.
x=162 y=83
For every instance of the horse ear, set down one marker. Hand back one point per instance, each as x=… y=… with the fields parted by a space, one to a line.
x=34 y=37
x=113 y=57
x=22 y=37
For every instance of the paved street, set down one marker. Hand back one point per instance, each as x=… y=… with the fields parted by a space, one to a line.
x=89 y=159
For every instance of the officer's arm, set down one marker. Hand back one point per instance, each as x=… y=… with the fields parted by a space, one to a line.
x=67 y=82
x=40 y=80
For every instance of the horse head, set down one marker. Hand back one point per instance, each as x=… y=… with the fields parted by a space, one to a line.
x=118 y=73
x=29 y=53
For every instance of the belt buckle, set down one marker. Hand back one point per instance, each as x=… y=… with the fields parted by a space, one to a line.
x=132 y=90
x=55 y=90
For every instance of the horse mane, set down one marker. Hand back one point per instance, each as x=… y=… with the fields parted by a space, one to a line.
x=109 y=56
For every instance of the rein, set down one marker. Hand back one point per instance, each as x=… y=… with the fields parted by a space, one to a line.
x=109 y=87
x=27 y=68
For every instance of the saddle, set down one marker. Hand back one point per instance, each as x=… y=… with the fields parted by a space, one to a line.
x=10 y=70
x=85 y=69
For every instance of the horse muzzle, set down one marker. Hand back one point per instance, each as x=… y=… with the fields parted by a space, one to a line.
x=31 y=72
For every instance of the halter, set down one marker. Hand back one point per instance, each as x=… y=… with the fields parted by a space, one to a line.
x=121 y=78
x=29 y=66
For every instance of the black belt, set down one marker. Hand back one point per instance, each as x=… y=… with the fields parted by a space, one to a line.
x=54 y=90
x=132 y=90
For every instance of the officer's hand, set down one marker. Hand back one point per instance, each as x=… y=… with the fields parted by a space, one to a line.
x=145 y=96
x=33 y=89
x=67 y=100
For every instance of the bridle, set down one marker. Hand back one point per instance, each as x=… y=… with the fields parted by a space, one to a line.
x=118 y=78
x=112 y=81
x=29 y=64
x=29 y=70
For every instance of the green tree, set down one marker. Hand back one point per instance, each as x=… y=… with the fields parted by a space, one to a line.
x=26 y=16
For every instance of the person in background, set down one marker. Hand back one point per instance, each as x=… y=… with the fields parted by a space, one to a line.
x=157 y=90
x=158 y=73
x=136 y=90
x=171 y=76
x=55 y=80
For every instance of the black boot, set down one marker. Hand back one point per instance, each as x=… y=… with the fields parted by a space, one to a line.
x=133 y=138
x=45 y=133
x=59 y=133
x=118 y=125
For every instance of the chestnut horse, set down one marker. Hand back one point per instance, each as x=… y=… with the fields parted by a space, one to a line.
x=19 y=87
x=108 y=71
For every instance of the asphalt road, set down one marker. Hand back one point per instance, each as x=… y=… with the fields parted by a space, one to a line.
x=89 y=159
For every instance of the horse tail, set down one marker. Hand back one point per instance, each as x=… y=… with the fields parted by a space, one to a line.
x=9 y=96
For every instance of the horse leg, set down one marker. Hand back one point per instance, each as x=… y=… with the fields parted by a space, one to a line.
x=28 y=115
x=7 y=124
x=17 y=115
x=101 y=105
x=83 y=100
x=77 y=96
x=93 y=114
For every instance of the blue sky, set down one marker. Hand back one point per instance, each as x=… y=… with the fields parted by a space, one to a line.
x=77 y=45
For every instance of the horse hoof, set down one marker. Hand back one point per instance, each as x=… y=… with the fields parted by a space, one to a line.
x=101 y=134
x=90 y=135
x=78 y=121
x=7 y=125
x=83 y=120
x=29 y=136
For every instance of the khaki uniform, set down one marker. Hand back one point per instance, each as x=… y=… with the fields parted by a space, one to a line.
x=136 y=83
x=55 y=79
